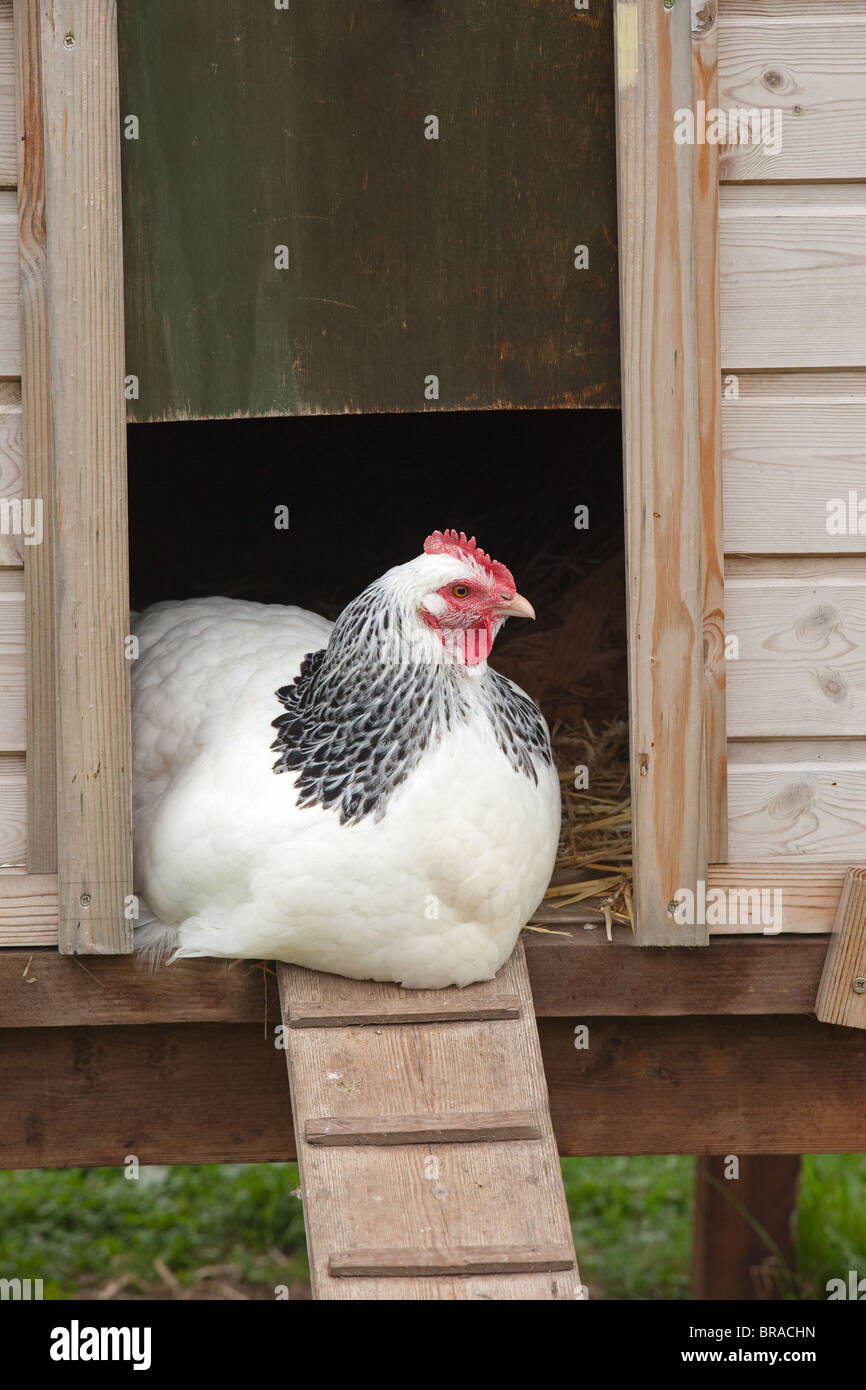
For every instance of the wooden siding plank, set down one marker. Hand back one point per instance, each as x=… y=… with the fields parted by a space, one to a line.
x=796 y=799
x=8 y=153
x=82 y=176
x=800 y=668
x=36 y=443
x=661 y=444
x=28 y=909
x=11 y=544
x=10 y=332
x=794 y=448
x=706 y=219
x=812 y=70
x=809 y=895
x=13 y=811
x=793 y=276
x=783 y=10
x=13 y=732
x=90 y=1096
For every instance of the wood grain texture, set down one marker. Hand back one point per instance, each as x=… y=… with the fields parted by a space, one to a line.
x=323 y=1002
x=743 y=1235
x=442 y=1196
x=842 y=991
x=12 y=547
x=460 y=1260
x=36 y=443
x=85 y=275
x=793 y=276
x=794 y=447
x=661 y=446
x=706 y=240
x=809 y=894
x=10 y=332
x=8 y=154
x=408 y=256
x=574 y=973
x=13 y=812
x=789 y=9
x=90 y=1096
x=813 y=70
x=801 y=663
x=28 y=911
x=797 y=799
x=13 y=733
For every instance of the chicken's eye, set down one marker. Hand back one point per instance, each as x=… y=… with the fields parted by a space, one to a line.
x=460 y=590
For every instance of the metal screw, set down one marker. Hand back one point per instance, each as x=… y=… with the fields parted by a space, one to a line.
x=85 y=900
x=859 y=985
x=69 y=41
x=669 y=4
x=797 y=110
x=672 y=907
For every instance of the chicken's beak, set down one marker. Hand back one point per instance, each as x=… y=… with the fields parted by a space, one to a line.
x=518 y=607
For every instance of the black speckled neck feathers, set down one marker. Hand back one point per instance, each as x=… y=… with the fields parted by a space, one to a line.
x=361 y=712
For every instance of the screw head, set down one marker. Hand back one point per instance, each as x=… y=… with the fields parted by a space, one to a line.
x=69 y=41
x=85 y=900
x=672 y=907
x=859 y=985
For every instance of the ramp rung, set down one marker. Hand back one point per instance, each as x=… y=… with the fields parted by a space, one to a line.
x=474 y=1127
x=368 y=1013
x=465 y=1259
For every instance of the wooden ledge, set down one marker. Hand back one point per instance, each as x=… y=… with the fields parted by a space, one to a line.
x=576 y=974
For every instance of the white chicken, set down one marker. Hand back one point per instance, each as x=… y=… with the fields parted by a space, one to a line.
x=412 y=827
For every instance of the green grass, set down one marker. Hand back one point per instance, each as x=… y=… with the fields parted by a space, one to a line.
x=81 y=1230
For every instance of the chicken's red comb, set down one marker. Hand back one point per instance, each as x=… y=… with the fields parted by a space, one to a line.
x=450 y=543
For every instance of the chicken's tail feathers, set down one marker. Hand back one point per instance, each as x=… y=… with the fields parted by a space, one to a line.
x=153 y=940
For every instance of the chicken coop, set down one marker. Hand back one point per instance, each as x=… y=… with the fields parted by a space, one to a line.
x=588 y=277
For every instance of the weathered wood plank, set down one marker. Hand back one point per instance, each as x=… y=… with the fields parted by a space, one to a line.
x=800 y=668
x=13 y=732
x=36 y=443
x=793 y=276
x=842 y=992
x=8 y=154
x=405 y=260
x=10 y=332
x=502 y=1127
x=85 y=272
x=789 y=9
x=377 y=1195
x=706 y=238
x=661 y=441
x=794 y=448
x=812 y=70
x=28 y=912
x=13 y=813
x=743 y=1242
x=93 y=1095
x=797 y=799
x=576 y=972
x=461 y=1260
x=808 y=895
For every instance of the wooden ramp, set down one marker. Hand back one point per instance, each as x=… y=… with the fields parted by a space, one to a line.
x=428 y=1163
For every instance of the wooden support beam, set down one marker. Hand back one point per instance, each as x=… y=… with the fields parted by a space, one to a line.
x=661 y=456
x=842 y=991
x=574 y=974
x=88 y=447
x=744 y=1227
x=91 y=1096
